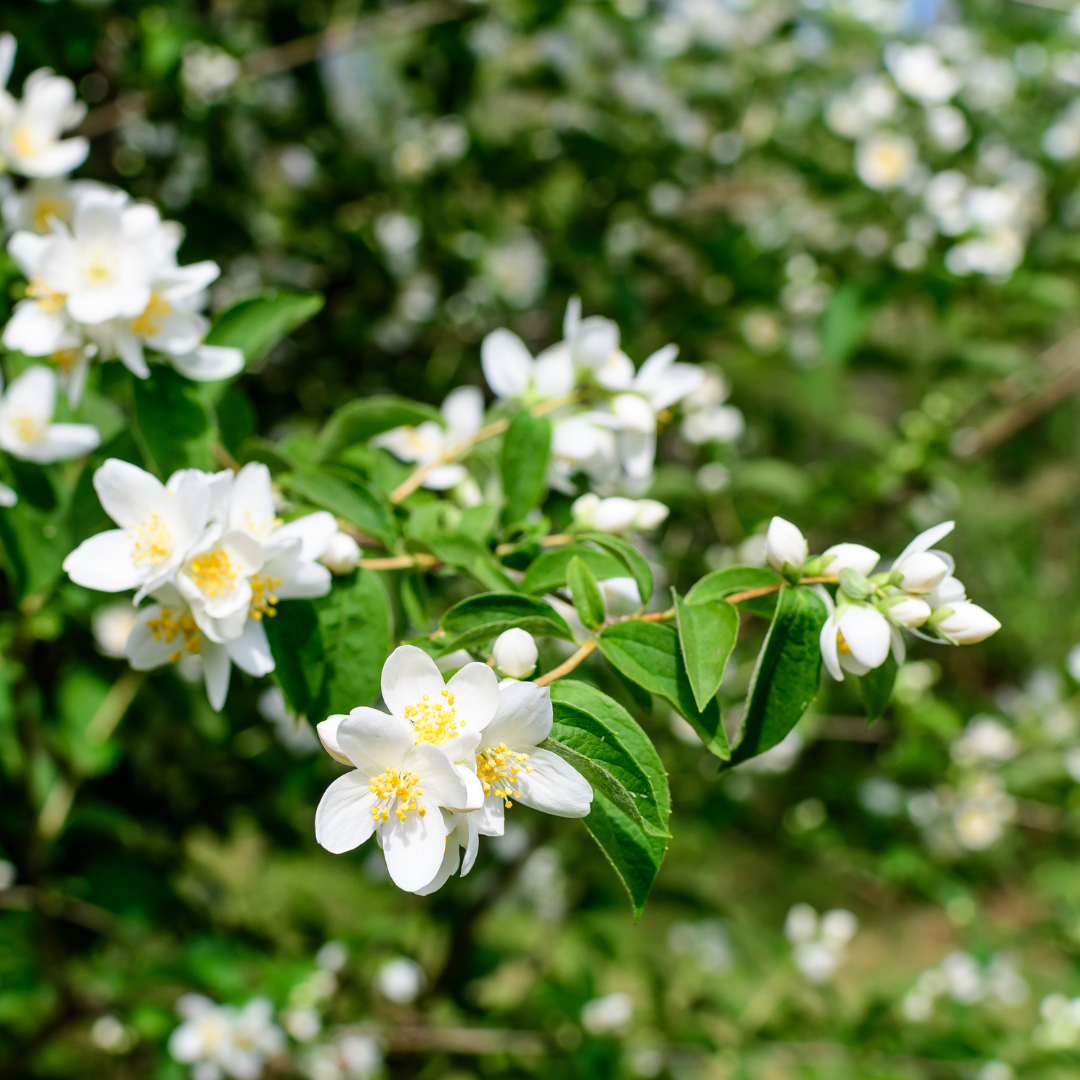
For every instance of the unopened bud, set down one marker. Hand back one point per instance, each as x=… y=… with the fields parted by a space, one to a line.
x=922 y=572
x=909 y=612
x=584 y=508
x=966 y=623
x=851 y=557
x=515 y=653
x=785 y=544
x=328 y=730
x=650 y=514
x=615 y=514
x=341 y=554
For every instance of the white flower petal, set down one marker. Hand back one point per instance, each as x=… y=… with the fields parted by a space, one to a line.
x=104 y=562
x=250 y=652
x=866 y=633
x=373 y=741
x=524 y=716
x=490 y=817
x=217 y=668
x=209 y=363
x=327 y=731
x=553 y=786
x=343 y=819
x=441 y=781
x=408 y=674
x=128 y=494
x=414 y=848
x=926 y=540
x=507 y=364
x=314 y=532
x=475 y=690
x=829 y=652
x=62 y=442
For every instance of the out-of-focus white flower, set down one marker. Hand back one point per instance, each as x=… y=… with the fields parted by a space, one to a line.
x=222 y=1040
x=920 y=72
x=400 y=980
x=871 y=101
x=960 y=977
x=30 y=129
x=584 y=443
x=982 y=814
x=513 y=374
x=32 y=208
x=207 y=73
x=785 y=545
x=515 y=653
x=27 y=430
x=819 y=945
x=608 y=1015
x=885 y=160
x=110 y=1035
x=705 y=942
x=617 y=514
x=518 y=269
x=342 y=554
x=948 y=127
x=722 y=423
x=112 y=626
x=984 y=739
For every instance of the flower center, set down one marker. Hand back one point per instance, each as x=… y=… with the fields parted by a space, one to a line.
x=166 y=628
x=45 y=209
x=29 y=428
x=98 y=266
x=262 y=596
x=24 y=141
x=153 y=541
x=50 y=302
x=434 y=722
x=497 y=768
x=395 y=786
x=842 y=646
x=214 y=572
x=261 y=529
x=151 y=321
x=65 y=359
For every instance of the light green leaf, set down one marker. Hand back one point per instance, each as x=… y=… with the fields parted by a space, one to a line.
x=296 y=643
x=256 y=325
x=363 y=419
x=471 y=556
x=707 y=634
x=585 y=590
x=348 y=497
x=171 y=422
x=524 y=463
x=648 y=653
x=721 y=584
x=787 y=675
x=548 y=571
x=630 y=557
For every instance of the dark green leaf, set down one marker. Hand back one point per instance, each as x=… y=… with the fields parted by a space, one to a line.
x=471 y=556
x=649 y=654
x=630 y=557
x=171 y=422
x=477 y=612
x=585 y=590
x=363 y=419
x=787 y=674
x=736 y=579
x=348 y=497
x=296 y=642
x=276 y=459
x=355 y=622
x=33 y=484
x=524 y=463
x=258 y=324
x=876 y=687
x=707 y=634
x=36 y=544
x=235 y=419
x=548 y=572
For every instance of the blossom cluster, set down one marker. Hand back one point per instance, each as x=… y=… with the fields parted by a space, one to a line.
x=211 y=553
x=441 y=768
x=917 y=592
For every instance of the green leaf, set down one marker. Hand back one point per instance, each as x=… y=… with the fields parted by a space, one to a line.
x=355 y=622
x=648 y=653
x=36 y=544
x=171 y=422
x=296 y=642
x=707 y=634
x=484 y=616
x=548 y=572
x=471 y=556
x=524 y=463
x=585 y=590
x=787 y=675
x=876 y=687
x=363 y=419
x=348 y=497
x=630 y=557
x=256 y=325
x=736 y=579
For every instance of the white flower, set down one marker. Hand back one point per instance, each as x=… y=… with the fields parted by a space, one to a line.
x=855 y=638
x=400 y=980
x=463 y=413
x=650 y=514
x=515 y=653
x=920 y=570
x=32 y=208
x=30 y=129
x=112 y=626
x=220 y=1040
x=909 y=611
x=984 y=739
x=885 y=160
x=590 y=341
x=966 y=623
x=612 y=515
x=586 y=443
x=851 y=557
x=159 y=527
x=342 y=554
x=510 y=764
x=920 y=73
x=981 y=816
x=513 y=374
x=819 y=944
x=723 y=423
x=26 y=427
x=607 y=1015
x=785 y=545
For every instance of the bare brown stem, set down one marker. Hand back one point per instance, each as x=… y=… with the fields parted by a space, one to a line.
x=567 y=666
x=401 y=562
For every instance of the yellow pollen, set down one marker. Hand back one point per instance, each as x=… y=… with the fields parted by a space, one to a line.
x=842 y=646
x=46 y=208
x=497 y=768
x=24 y=142
x=29 y=428
x=261 y=529
x=214 y=573
x=65 y=359
x=262 y=596
x=99 y=272
x=50 y=302
x=395 y=785
x=153 y=541
x=434 y=722
x=166 y=628
x=151 y=321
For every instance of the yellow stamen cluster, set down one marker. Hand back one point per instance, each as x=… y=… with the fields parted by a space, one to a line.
x=214 y=573
x=29 y=428
x=842 y=646
x=434 y=722
x=396 y=784
x=497 y=768
x=261 y=529
x=65 y=359
x=166 y=628
x=262 y=596
x=153 y=541
x=45 y=209
x=50 y=302
x=24 y=141
x=153 y=318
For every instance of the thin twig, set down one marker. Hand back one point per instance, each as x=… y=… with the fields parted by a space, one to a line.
x=567 y=666
x=401 y=562
x=111 y=710
x=224 y=457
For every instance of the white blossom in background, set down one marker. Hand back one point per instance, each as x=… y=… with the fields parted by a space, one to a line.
x=985 y=741
x=518 y=269
x=1060 y=1027
x=400 y=980
x=31 y=128
x=705 y=416
x=608 y=1015
x=514 y=375
x=207 y=73
x=819 y=944
x=964 y=980
x=342 y=554
x=920 y=72
x=32 y=208
x=27 y=430
x=112 y=626
x=705 y=942
x=223 y=1041
x=617 y=514
x=984 y=810
x=885 y=160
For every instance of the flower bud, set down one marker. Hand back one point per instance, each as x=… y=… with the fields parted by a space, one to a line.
x=967 y=624
x=112 y=626
x=584 y=507
x=341 y=554
x=922 y=572
x=909 y=612
x=328 y=730
x=634 y=413
x=851 y=557
x=948 y=592
x=615 y=514
x=514 y=653
x=785 y=544
x=650 y=514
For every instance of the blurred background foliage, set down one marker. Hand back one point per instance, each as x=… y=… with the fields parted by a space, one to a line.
x=442 y=167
